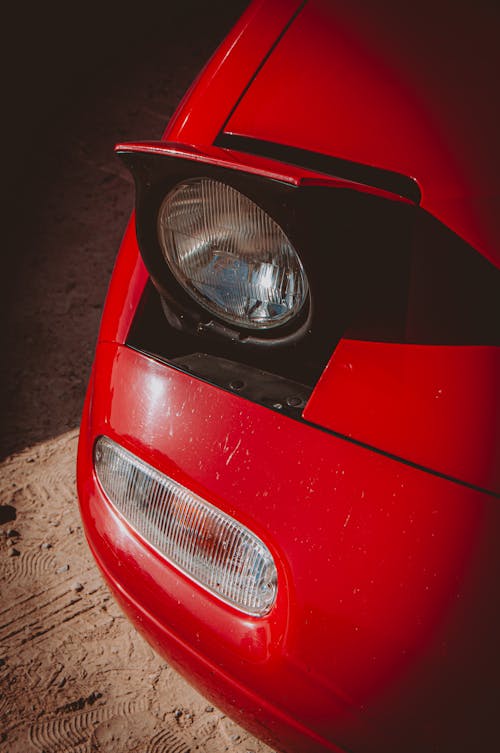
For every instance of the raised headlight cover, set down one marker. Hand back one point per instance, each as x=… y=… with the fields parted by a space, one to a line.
x=230 y=255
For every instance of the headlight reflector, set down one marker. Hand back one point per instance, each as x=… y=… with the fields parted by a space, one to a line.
x=230 y=255
x=209 y=546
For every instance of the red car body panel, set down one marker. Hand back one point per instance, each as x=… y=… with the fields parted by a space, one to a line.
x=378 y=507
x=125 y=289
x=437 y=406
x=205 y=107
x=411 y=561
x=409 y=90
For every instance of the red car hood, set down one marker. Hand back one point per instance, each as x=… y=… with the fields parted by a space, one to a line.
x=412 y=89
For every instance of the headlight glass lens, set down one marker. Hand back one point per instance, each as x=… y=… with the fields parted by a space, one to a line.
x=230 y=255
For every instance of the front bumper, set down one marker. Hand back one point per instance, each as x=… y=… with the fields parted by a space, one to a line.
x=385 y=622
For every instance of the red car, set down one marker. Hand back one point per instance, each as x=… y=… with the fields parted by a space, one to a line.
x=288 y=465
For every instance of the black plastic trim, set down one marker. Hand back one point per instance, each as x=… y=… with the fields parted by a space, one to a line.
x=386 y=180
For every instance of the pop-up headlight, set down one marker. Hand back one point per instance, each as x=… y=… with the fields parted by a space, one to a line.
x=230 y=255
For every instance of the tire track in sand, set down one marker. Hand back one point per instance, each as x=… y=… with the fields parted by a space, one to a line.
x=28 y=566
x=70 y=731
x=168 y=741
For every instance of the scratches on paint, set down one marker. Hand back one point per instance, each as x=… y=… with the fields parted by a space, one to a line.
x=231 y=454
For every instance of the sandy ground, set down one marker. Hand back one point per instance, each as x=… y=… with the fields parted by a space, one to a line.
x=74 y=675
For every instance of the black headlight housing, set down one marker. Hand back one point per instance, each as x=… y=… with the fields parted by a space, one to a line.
x=340 y=236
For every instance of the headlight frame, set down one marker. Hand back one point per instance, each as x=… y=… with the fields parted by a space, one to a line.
x=347 y=237
x=155 y=177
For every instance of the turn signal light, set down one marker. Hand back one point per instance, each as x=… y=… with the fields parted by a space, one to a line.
x=206 y=544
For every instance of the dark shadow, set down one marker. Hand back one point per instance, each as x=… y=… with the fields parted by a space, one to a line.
x=8 y=513
x=78 y=82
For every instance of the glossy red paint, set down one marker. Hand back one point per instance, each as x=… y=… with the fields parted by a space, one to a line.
x=207 y=104
x=125 y=289
x=409 y=89
x=438 y=406
x=411 y=560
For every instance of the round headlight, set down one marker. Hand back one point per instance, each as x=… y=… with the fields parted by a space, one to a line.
x=230 y=256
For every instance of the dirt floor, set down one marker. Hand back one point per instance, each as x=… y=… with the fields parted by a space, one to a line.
x=74 y=675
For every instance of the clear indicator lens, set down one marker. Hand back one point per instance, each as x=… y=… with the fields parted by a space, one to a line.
x=206 y=544
x=230 y=255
